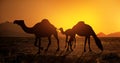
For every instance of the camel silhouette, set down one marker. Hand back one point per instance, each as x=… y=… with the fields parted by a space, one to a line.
x=82 y=29
x=41 y=29
x=68 y=33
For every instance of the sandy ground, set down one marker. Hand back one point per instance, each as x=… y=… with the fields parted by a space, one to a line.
x=22 y=50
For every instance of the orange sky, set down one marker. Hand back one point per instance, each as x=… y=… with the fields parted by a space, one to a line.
x=102 y=15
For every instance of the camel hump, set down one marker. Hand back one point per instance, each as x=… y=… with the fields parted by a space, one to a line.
x=44 y=25
x=81 y=26
x=47 y=24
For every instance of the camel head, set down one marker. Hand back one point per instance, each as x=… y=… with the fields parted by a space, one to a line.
x=61 y=29
x=19 y=22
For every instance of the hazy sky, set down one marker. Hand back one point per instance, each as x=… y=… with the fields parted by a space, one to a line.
x=102 y=15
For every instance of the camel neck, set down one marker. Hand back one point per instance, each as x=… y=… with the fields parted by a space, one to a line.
x=62 y=32
x=27 y=29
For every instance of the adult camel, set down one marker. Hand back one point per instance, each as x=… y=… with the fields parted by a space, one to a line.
x=82 y=29
x=41 y=29
x=68 y=33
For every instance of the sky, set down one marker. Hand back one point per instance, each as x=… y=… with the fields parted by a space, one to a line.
x=102 y=15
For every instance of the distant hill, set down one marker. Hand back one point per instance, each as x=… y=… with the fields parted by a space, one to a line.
x=8 y=29
x=115 y=34
x=101 y=34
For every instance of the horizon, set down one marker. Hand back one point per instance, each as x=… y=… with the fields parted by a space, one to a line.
x=59 y=30
x=8 y=32
x=102 y=15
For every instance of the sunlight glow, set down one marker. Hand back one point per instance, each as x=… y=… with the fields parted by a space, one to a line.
x=102 y=15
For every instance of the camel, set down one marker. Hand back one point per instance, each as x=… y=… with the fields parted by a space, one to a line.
x=41 y=29
x=68 y=32
x=82 y=29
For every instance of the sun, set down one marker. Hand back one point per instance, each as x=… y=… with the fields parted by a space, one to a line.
x=68 y=19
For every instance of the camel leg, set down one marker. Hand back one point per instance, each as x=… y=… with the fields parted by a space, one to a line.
x=66 y=41
x=39 y=46
x=75 y=42
x=56 y=36
x=71 y=46
x=49 y=38
x=85 y=44
x=89 y=43
x=35 y=44
x=68 y=46
x=70 y=43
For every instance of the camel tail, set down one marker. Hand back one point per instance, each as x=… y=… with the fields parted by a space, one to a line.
x=98 y=42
